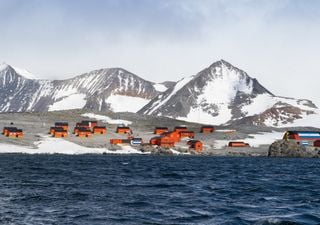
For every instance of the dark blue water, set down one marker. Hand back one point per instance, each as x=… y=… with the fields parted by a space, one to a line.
x=89 y=189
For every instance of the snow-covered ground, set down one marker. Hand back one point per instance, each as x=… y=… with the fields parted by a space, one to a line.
x=255 y=140
x=50 y=145
x=106 y=119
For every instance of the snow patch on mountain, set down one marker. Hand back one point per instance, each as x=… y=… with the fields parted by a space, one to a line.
x=259 y=104
x=307 y=120
x=263 y=102
x=197 y=115
x=225 y=86
x=121 y=103
x=74 y=101
x=160 y=87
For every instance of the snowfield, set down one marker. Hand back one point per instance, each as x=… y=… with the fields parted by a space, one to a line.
x=122 y=103
x=160 y=87
x=74 y=101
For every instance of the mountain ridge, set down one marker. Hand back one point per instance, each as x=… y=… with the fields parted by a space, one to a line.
x=219 y=94
x=20 y=94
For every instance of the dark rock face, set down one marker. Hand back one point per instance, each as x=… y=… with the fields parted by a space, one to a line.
x=285 y=148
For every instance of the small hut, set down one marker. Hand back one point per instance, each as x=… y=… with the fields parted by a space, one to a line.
x=99 y=130
x=123 y=130
x=84 y=132
x=207 y=129
x=238 y=144
x=63 y=125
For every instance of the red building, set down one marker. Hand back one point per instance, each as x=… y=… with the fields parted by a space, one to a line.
x=160 y=130
x=196 y=145
x=207 y=129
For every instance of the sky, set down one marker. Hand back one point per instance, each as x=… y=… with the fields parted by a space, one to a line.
x=275 y=41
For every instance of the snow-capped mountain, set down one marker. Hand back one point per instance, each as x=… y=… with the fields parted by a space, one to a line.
x=223 y=94
x=219 y=94
x=106 y=89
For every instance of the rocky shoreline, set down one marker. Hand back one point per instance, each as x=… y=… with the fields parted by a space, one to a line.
x=283 y=148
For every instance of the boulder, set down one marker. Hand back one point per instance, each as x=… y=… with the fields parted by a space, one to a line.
x=284 y=148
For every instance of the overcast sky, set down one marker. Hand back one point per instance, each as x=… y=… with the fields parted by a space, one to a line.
x=275 y=41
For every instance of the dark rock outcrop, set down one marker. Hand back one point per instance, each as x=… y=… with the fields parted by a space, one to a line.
x=285 y=148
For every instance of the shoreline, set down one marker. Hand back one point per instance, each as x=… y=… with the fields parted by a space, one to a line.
x=37 y=141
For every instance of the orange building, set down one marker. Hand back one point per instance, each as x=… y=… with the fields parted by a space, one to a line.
x=60 y=133
x=196 y=145
x=119 y=141
x=207 y=129
x=115 y=141
x=189 y=134
x=99 y=130
x=83 y=132
x=63 y=125
x=160 y=130
x=14 y=132
x=6 y=130
x=238 y=144
x=175 y=136
x=123 y=130
x=162 y=141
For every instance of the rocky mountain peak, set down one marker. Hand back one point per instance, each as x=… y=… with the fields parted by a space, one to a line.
x=221 y=94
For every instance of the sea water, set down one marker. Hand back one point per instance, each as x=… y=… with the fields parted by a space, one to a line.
x=104 y=189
